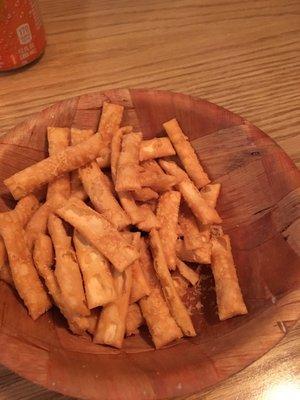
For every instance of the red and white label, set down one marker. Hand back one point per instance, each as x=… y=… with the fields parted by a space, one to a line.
x=24 y=33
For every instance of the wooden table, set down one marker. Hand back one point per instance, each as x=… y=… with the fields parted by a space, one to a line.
x=241 y=55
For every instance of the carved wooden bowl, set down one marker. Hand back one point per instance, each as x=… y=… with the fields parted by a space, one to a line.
x=258 y=203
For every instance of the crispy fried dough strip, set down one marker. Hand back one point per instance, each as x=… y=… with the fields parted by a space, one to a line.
x=204 y=213
x=5 y=275
x=189 y=230
x=135 y=213
x=152 y=204
x=134 y=319
x=152 y=148
x=109 y=183
x=110 y=120
x=92 y=321
x=186 y=153
x=43 y=252
x=95 y=185
x=77 y=189
x=187 y=272
x=43 y=259
x=79 y=325
x=201 y=255
x=180 y=284
x=194 y=236
x=167 y=214
x=170 y=167
x=210 y=193
x=67 y=271
x=116 y=149
x=177 y=308
x=205 y=232
x=104 y=157
x=126 y=198
x=3 y=254
x=127 y=168
x=140 y=287
x=73 y=157
x=179 y=231
x=151 y=166
x=98 y=280
x=99 y=232
x=78 y=136
x=159 y=182
x=156 y=148
x=58 y=140
x=25 y=277
x=144 y=194
x=25 y=208
x=161 y=324
x=229 y=296
x=147 y=264
x=150 y=220
x=192 y=196
x=112 y=321
x=93 y=181
x=37 y=224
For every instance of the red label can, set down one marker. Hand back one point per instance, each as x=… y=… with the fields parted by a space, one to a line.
x=22 y=35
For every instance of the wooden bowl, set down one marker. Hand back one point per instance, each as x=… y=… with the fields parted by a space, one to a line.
x=260 y=193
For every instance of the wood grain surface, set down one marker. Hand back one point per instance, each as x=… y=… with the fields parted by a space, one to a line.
x=241 y=57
